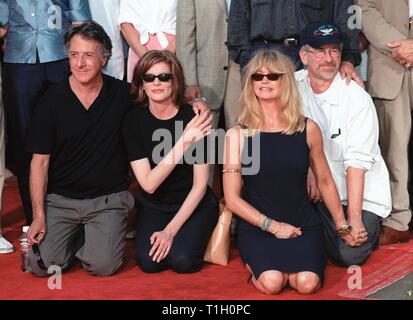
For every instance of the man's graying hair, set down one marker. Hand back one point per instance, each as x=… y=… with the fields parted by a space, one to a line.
x=92 y=31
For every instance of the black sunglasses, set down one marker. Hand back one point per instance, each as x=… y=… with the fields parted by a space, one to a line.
x=270 y=76
x=163 y=77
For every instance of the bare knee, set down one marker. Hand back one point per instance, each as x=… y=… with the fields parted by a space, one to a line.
x=272 y=281
x=307 y=282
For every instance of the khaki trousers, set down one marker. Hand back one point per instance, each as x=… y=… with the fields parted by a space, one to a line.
x=232 y=95
x=231 y=98
x=395 y=125
x=231 y=105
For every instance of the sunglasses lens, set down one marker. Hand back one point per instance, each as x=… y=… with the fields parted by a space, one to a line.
x=257 y=77
x=273 y=76
x=148 y=77
x=270 y=76
x=165 y=77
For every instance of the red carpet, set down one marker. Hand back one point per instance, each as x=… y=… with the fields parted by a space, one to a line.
x=385 y=266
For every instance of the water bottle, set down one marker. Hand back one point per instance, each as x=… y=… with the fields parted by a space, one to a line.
x=25 y=249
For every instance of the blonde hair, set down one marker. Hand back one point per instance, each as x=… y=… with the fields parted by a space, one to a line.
x=252 y=115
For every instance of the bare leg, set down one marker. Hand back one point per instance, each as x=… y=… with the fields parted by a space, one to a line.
x=270 y=282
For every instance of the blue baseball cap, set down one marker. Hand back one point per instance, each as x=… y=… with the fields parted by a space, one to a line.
x=319 y=34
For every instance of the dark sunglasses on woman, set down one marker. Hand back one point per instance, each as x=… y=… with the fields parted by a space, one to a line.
x=270 y=76
x=163 y=77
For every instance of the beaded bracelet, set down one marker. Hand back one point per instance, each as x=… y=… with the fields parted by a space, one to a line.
x=344 y=230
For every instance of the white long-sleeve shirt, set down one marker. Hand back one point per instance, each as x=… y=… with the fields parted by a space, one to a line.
x=348 y=121
x=150 y=17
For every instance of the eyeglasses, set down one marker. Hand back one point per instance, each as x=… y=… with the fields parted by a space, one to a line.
x=270 y=76
x=334 y=53
x=163 y=77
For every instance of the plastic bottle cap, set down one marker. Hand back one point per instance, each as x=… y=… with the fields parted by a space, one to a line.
x=25 y=228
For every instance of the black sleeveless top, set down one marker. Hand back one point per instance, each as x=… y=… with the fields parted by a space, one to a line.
x=279 y=188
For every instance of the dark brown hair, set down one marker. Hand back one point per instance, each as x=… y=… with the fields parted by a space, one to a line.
x=147 y=61
x=90 y=30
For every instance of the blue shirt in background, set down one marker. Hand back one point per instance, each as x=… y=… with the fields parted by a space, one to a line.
x=39 y=25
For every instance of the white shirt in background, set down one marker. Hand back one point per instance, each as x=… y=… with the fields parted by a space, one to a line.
x=150 y=17
x=410 y=8
x=106 y=13
x=348 y=121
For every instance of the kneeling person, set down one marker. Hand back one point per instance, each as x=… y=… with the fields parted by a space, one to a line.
x=177 y=209
x=348 y=121
x=80 y=163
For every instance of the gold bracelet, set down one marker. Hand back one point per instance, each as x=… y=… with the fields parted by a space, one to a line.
x=231 y=170
x=344 y=230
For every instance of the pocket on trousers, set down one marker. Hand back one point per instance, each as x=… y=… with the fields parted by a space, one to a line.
x=127 y=200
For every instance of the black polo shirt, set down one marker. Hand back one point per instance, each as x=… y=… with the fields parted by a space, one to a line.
x=88 y=158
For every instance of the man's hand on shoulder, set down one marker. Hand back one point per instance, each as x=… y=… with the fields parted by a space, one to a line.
x=191 y=93
x=348 y=71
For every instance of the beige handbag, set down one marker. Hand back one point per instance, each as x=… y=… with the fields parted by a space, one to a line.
x=219 y=244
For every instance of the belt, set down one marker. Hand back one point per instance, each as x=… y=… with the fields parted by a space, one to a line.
x=287 y=42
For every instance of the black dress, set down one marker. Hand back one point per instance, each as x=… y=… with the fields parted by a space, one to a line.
x=279 y=190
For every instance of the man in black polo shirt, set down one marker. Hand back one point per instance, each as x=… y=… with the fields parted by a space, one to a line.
x=79 y=162
x=256 y=24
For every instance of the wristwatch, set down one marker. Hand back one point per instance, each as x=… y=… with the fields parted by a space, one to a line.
x=200 y=99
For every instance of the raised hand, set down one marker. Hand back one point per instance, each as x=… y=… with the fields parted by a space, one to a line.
x=197 y=128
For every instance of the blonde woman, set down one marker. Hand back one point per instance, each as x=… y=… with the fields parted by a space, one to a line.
x=280 y=237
